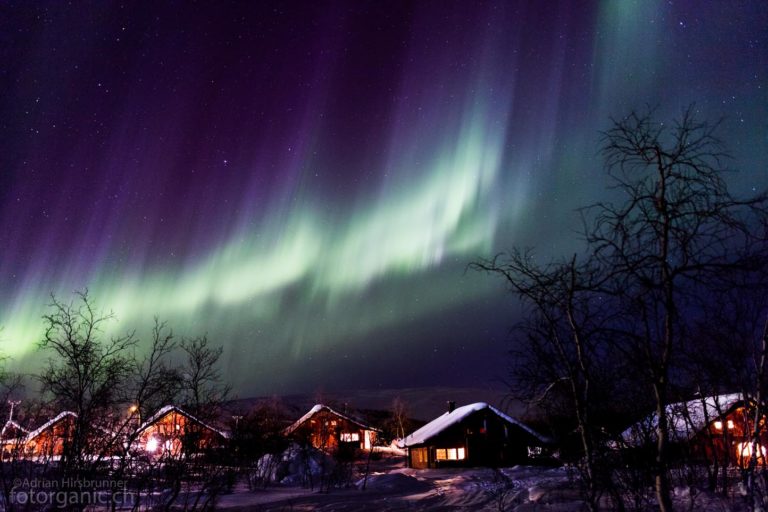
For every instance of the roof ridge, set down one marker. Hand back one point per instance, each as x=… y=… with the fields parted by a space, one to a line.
x=450 y=418
x=319 y=407
x=162 y=411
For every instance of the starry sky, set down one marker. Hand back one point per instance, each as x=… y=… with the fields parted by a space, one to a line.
x=306 y=182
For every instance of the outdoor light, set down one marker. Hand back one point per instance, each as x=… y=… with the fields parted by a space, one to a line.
x=151 y=445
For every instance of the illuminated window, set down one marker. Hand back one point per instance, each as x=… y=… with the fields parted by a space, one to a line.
x=745 y=450
x=450 y=454
x=349 y=437
x=719 y=425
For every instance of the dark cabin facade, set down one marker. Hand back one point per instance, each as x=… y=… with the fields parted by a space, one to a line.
x=473 y=435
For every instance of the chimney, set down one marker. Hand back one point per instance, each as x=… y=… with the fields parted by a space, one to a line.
x=451 y=406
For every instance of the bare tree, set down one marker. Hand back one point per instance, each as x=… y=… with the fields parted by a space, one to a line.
x=653 y=262
x=151 y=384
x=758 y=423
x=563 y=338
x=85 y=373
x=400 y=416
x=675 y=236
x=257 y=441
x=153 y=381
x=195 y=473
x=203 y=389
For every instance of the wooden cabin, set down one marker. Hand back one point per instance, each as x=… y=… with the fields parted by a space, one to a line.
x=171 y=431
x=708 y=429
x=473 y=435
x=328 y=430
x=12 y=439
x=50 y=439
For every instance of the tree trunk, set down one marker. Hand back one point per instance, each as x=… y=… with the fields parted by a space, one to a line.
x=662 y=436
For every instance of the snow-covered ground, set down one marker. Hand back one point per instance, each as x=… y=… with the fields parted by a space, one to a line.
x=519 y=488
x=392 y=487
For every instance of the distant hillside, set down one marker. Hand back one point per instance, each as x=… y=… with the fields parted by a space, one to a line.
x=422 y=403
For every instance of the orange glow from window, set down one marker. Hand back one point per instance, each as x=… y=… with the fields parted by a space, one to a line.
x=744 y=451
x=450 y=454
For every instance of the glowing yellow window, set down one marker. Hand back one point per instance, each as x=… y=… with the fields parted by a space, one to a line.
x=719 y=425
x=450 y=454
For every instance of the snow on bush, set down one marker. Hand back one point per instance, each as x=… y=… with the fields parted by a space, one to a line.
x=297 y=465
x=394 y=482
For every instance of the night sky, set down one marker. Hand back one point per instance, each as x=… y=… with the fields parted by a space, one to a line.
x=307 y=181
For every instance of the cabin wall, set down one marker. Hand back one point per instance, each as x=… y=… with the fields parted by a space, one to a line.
x=329 y=432
x=174 y=431
x=52 y=441
x=481 y=439
x=727 y=440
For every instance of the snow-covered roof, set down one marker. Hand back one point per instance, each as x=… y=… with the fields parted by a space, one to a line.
x=320 y=407
x=48 y=424
x=449 y=419
x=174 y=408
x=10 y=424
x=686 y=419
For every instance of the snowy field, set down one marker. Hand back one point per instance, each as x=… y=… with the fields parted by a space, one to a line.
x=520 y=488
x=392 y=487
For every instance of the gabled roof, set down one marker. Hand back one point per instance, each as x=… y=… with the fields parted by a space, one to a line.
x=48 y=424
x=320 y=407
x=448 y=419
x=686 y=419
x=173 y=408
x=10 y=424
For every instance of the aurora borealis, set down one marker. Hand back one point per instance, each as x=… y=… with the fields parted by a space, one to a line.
x=306 y=182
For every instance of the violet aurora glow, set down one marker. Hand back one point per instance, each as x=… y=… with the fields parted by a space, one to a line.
x=307 y=184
